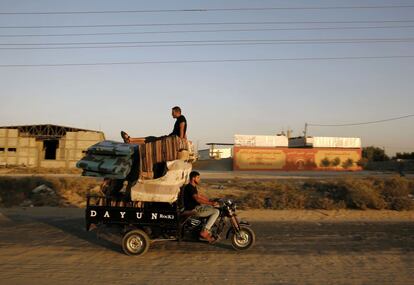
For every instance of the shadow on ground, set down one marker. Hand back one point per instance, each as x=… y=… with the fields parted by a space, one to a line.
x=305 y=238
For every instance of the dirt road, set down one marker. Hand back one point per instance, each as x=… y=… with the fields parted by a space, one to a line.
x=50 y=246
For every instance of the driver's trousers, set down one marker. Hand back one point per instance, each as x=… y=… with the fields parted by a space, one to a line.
x=207 y=211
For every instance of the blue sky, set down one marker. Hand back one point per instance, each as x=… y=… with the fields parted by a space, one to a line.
x=219 y=99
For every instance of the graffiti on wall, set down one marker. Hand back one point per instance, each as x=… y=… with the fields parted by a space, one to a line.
x=254 y=158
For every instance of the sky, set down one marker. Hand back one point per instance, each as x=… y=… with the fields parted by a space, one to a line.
x=220 y=98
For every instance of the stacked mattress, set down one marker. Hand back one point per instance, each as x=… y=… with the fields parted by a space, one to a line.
x=109 y=159
x=160 y=150
x=163 y=189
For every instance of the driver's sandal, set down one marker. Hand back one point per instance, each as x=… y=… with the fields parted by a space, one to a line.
x=206 y=235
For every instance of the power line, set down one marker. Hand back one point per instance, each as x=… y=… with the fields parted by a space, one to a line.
x=203 y=44
x=210 y=61
x=208 y=10
x=212 y=43
x=253 y=43
x=363 y=123
x=209 y=41
x=206 y=23
x=205 y=31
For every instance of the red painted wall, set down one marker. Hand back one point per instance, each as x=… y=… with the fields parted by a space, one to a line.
x=282 y=158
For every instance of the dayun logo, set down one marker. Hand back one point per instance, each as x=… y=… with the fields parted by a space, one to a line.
x=138 y=215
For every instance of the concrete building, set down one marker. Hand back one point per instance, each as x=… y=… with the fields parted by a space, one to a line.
x=216 y=153
x=49 y=146
x=284 y=153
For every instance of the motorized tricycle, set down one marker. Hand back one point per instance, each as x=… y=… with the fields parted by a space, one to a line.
x=142 y=195
x=152 y=222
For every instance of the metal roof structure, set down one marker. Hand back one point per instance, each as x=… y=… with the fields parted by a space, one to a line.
x=46 y=131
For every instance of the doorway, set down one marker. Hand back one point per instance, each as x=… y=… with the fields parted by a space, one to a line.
x=50 y=147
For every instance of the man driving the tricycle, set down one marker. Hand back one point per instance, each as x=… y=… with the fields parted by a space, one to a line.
x=200 y=205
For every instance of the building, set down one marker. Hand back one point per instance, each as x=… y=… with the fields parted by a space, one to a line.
x=48 y=146
x=283 y=153
x=216 y=151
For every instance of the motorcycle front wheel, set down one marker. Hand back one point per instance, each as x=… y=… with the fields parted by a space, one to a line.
x=244 y=240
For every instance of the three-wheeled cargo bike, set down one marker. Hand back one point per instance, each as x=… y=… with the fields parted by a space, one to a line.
x=149 y=210
x=154 y=221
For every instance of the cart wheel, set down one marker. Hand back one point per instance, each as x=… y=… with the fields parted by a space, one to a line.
x=135 y=242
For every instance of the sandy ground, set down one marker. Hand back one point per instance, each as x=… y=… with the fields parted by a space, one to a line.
x=50 y=246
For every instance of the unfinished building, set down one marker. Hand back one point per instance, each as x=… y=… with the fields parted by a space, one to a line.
x=48 y=146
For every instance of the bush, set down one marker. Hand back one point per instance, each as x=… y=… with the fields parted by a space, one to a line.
x=332 y=190
x=411 y=187
x=288 y=197
x=348 y=163
x=363 y=162
x=402 y=204
x=284 y=196
x=13 y=191
x=325 y=162
x=396 y=193
x=253 y=200
x=361 y=196
x=336 y=161
x=356 y=193
x=315 y=202
x=395 y=187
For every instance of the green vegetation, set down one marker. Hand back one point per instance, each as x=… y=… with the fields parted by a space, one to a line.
x=336 y=162
x=348 y=163
x=395 y=193
x=64 y=191
x=404 y=155
x=372 y=153
x=325 y=162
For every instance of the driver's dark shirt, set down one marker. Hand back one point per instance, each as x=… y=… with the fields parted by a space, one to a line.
x=189 y=202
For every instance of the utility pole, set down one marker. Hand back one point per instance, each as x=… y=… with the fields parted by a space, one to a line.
x=305 y=132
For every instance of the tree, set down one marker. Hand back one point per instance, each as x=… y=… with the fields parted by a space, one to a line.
x=404 y=155
x=372 y=153
x=362 y=162
x=325 y=162
x=348 y=163
x=336 y=161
